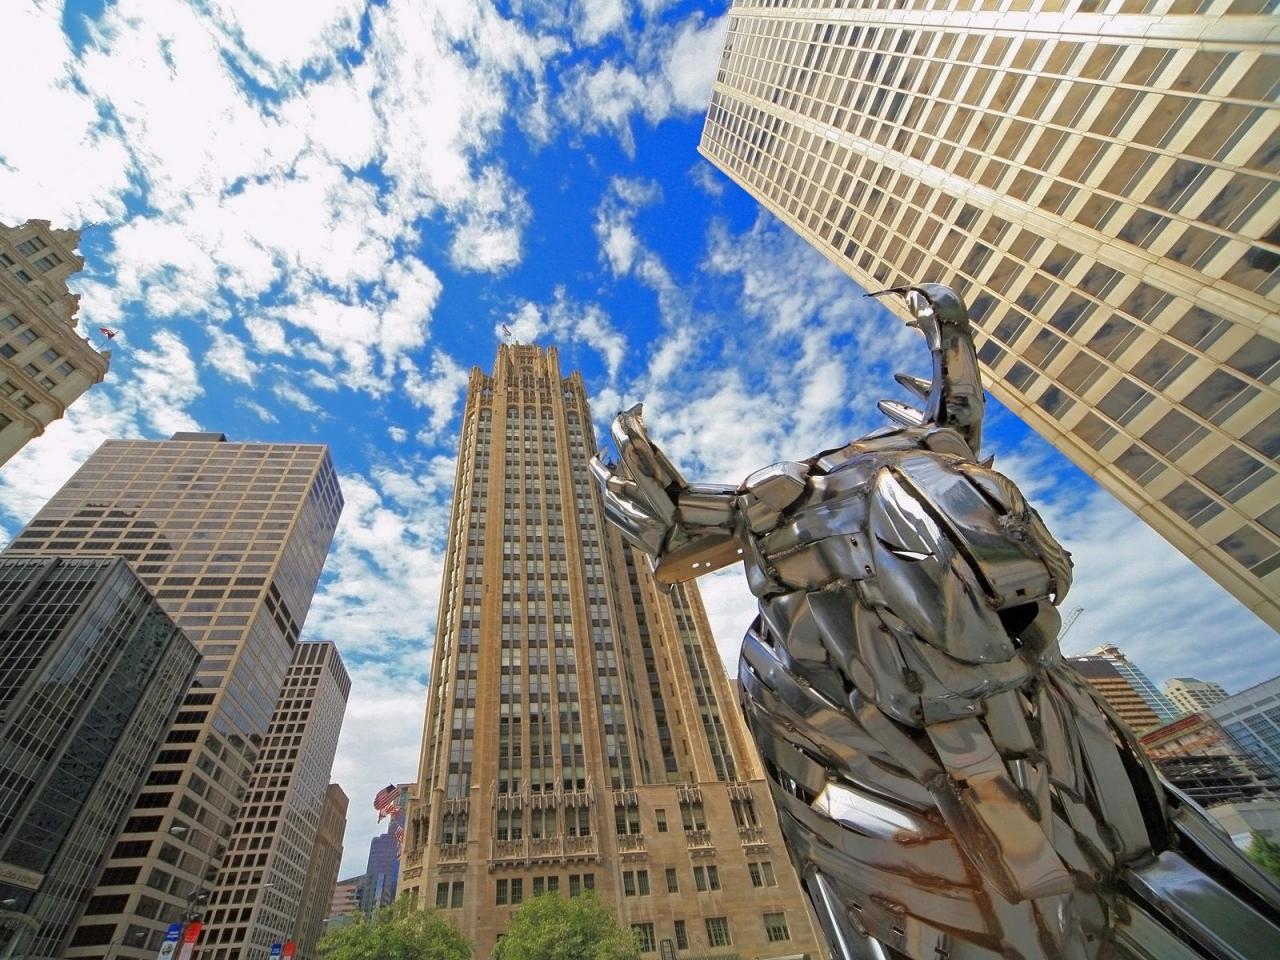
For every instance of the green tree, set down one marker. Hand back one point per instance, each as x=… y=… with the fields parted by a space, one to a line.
x=1266 y=854
x=397 y=932
x=580 y=928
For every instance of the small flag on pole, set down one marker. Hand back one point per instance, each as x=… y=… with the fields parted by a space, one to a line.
x=399 y=837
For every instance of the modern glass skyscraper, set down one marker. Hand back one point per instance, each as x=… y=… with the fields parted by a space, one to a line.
x=258 y=897
x=1166 y=710
x=1252 y=719
x=580 y=731
x=231 y=539
x=91 y=674
x=1097 y=178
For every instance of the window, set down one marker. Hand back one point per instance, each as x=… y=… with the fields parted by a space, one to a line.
x=48 y=262
x=575 y=885
x=442 y=895
x=642 y=882
x=682 y=936
x=628 y=883
x=718 y=932
x=517 y=890
x=661 y=817
x=775 y=925
x=455 y=896
x=502 y=895
x=762 y=874
x=700 y=878
x=645 y=937
x=673 y=884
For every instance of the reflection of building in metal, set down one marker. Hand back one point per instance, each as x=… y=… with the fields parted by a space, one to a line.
x=1162 y=706
x=45 y=365
x=580 y=731
x=1243 y=820
x=1100 y=184
x=1190 y=695
x=1252 y=718
x=94 y=671
x=258 y=897
x=1209 y=779
x=322 y=872
x=1117 y=691
x=231 y=539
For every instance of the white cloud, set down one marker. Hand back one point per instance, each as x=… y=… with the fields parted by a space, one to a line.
x=397 y=434
x=227 y=355
x=438 y=390
x=706 y=177
x=668 y=72
x=289 y=394
x=258 y=410
x=288 y=34
x=59 y=160
x=596 y=19
x=566 y=321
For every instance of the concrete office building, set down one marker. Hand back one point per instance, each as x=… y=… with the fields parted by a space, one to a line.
x=92 y=671
x=344 y=902
x=1252 y=719
x=322 y=873
x=231 y=539
x=580 y=730
x=1191 y=695
x=1097 y=178
x=1164 y=708
x=1116 y=689
x=258 y=898
x=44 y=363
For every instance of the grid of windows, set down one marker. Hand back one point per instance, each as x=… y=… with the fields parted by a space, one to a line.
x=231 y=539
x=1106 y=202
x=44 y=363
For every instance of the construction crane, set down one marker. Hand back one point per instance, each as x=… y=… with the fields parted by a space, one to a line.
x=1070 y=622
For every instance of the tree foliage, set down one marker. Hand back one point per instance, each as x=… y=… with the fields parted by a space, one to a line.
x=1266 y=854
x=580 y=928
x=397 y=932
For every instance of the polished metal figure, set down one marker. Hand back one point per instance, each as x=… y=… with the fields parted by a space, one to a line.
x=947 y=786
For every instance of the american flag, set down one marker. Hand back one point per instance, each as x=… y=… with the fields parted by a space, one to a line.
x=387 y=801
x=399 y=836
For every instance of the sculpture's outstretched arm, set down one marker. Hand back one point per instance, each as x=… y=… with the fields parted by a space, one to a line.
x=953 y=398
x=687 y=530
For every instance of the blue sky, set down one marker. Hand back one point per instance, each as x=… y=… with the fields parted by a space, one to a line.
x=309 y=220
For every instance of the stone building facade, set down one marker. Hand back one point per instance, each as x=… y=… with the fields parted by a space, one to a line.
x=581 y=733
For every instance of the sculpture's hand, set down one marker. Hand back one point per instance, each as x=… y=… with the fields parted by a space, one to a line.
x=953 y=398
x=638 y=490
x=686 y=530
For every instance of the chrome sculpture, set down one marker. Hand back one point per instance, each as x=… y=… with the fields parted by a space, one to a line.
x=947 y=786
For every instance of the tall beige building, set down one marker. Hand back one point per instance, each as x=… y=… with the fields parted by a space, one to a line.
x=259 y=897
x=1097 y=177
x=580 y=731
x=322 y=873
x=1191 y=695
x=44 y=363
x=231 y=539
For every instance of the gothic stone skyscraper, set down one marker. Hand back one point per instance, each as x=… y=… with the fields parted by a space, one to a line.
x=231 y=539
x=1097 y=178
x=580 y=731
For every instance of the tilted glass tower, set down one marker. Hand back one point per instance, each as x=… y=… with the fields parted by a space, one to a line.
x=231 y=539
x=580 y=730
x=1098 y=178
x=92 y=671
